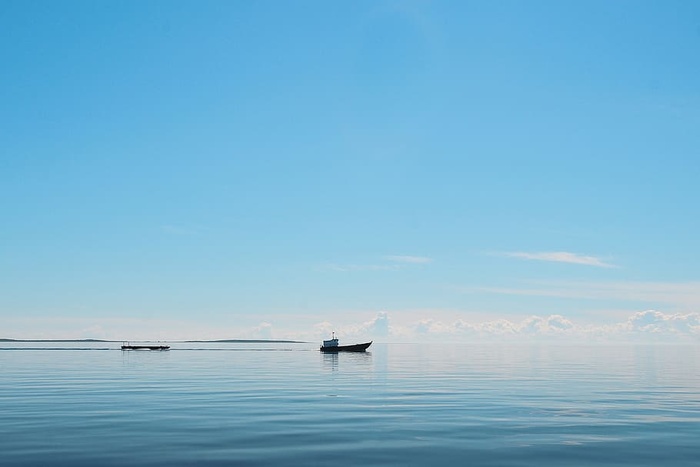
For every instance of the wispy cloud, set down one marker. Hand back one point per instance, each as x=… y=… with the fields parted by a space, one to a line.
x=683 y=295
x=408 y=259
x=561 y=257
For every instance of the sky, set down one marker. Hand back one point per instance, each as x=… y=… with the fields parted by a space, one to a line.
x=389 y=170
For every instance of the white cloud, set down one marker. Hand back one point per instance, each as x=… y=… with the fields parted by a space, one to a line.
x=553 y=324
x=323 y=330
x=643 y=326
x=561 y=257
x=377 y=327
x=497 y=327
x=532 y=326
x=655 y=322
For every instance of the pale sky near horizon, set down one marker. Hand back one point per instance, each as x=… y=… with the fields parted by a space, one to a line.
x=396 y=170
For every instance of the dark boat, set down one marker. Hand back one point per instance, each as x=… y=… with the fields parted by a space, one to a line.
x=128 y=346
x=331 y=346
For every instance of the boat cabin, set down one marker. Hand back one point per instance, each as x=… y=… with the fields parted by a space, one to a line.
x=332 y=342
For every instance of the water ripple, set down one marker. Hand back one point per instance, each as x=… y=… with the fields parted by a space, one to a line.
x=398 y=405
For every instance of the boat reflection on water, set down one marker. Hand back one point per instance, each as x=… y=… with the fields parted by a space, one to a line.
x=351 y=361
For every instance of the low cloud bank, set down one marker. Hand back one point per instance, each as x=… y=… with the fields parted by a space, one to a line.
x=655 y=322
x=395 y=326
x=650 y=325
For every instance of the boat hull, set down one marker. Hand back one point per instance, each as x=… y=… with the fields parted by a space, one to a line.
x=145 y=347
x=346 y=348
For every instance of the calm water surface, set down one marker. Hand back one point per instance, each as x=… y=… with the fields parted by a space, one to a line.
x=288 y=404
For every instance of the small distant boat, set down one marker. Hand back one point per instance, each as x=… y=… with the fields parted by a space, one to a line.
x=128 y=346
x=331 y=346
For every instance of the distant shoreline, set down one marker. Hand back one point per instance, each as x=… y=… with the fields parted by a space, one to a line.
x=218 y=341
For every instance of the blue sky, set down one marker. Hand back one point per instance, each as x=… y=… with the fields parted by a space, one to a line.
x=397 y=170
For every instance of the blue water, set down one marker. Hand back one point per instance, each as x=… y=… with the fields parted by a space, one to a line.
x=288 y=404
